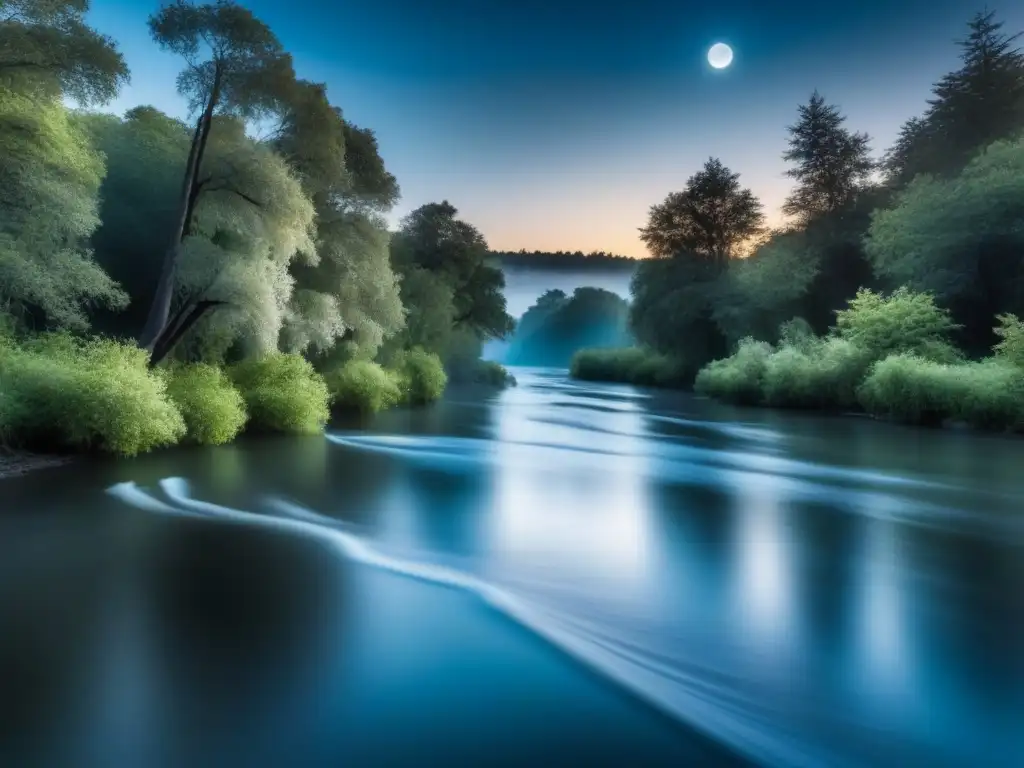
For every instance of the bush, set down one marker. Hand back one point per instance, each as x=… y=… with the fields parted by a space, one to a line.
x=737 y=379
x=824 y=374
x=213 y=409
x=420 y=376
x=283 y=393
x=363 y=386
x=901 y=322
x=62 y=393
x=1010 y=348
x=492 y=374
x=909 y=389
x=628 y=365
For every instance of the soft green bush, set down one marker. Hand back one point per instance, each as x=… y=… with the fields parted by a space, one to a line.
x=739 y=378
x=58 y=392
x=213 y=409
x=988 y=394
x=628 y=365
x=420 y=376
x=363 y=386
x=491 y=374
x=825 y=374
x=283 y=393
x=904 y=321
x=1010 y=348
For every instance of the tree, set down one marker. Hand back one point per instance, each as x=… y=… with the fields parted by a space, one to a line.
x=977 y=104
x=235 y=67
x=431 y=238
x=960 y=239
x=47 y=43
x=351 y=293
x=251 y=219
x=49 y=195
x=831 y=162
x=710 y=218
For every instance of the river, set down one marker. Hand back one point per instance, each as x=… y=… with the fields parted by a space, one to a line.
x=560 y=573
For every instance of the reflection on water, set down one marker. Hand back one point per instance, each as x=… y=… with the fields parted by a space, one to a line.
x=807 y=591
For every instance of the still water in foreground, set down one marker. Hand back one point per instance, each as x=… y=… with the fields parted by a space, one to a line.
x=559 y=573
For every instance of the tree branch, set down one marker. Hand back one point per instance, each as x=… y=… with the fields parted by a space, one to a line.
x=170 y=338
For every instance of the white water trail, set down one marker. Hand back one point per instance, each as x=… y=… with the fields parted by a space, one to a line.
x=717 y=715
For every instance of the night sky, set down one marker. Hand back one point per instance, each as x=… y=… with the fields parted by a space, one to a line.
x=555 y=124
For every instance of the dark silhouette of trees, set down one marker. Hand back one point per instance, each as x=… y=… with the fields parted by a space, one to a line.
x=831 y=163
x=711 y=217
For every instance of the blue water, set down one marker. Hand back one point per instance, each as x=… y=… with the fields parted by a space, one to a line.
x=678 y=581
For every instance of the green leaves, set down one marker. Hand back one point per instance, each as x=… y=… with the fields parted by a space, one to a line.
x=49 y=183
x=47 y=45
x=711 y=217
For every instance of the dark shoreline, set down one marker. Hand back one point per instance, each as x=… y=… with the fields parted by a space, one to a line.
x=15 y=463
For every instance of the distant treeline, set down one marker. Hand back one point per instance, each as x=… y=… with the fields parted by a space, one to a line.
x=564 y=260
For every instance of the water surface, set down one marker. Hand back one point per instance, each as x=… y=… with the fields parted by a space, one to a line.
x=559 y=572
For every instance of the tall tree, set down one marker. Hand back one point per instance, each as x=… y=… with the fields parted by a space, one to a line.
x=433 y=239
x=47 y=44
x=977 y=104
x=235 y=66
x=49 y=197
x=711 y=217
x=831 y=163
x=350 y=293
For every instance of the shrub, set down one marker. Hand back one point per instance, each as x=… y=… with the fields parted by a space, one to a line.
x=825 y=375
x=420 y=376
x=363 y=386
x=213 y=409
x=1010 y=348
x=492 y=374
x=283 y=393
x=62 y=393
x=904 y=321
x=739 y=378
x=628 y=365
x=906 y=388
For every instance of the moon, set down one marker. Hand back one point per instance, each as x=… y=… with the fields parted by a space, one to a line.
x=720 y=56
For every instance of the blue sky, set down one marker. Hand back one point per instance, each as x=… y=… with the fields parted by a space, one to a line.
x=556 y=124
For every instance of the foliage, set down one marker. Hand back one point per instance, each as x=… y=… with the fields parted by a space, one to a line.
x=907 y=388
x=554 y=328
x=630 y=365
x=972 y=107
x=49 y=183
x=711 y=217
x=556 y=261
x=832 y=163
x=420 y=376
x=212 y=407
x=823 y=375
x=901 y=322
x=455 y=253
x=47 y=43
x=283 y=393
x=362 y=386
x=58 y=392
x=961 y=239
x=739 y=378
x=491 y=374
x=1010 y=348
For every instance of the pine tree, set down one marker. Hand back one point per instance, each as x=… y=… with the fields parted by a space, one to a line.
x=979 y=103
x=832 y=163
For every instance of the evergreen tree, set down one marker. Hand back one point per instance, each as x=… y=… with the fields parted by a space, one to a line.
x=974 y=106
x=832 y=163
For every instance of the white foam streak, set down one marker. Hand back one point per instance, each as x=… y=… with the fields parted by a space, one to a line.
x=693 y=703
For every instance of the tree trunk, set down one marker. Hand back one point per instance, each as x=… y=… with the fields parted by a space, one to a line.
x=165 y=344
x=160 y=309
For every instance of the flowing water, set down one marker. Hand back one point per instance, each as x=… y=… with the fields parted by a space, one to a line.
x=561 y=573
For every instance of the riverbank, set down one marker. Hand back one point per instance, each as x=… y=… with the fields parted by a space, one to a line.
x=15 y=463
